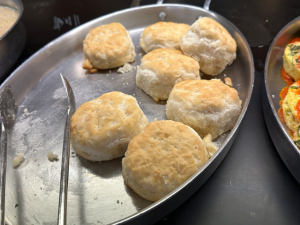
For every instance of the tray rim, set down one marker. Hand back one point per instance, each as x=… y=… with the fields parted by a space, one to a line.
x=229 y=138
x=266 y=84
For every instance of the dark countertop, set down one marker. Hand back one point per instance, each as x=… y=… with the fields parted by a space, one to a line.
x=252 y=185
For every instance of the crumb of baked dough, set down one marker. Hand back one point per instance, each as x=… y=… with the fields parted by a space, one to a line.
x=210 y=147
x=18 y=159
x=52 y=157
x=125 y=69
x=228 y=81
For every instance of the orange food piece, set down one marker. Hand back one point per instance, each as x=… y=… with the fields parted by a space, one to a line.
x=286 y=78
x=283 y=92
x=297 y=39
x=280 y=113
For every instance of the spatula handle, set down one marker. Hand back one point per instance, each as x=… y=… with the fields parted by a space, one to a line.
x=63 y=191
x=3 y=172
x=206 y=4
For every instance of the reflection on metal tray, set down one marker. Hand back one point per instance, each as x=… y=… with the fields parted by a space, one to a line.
x=97 y=193
x=279 y=132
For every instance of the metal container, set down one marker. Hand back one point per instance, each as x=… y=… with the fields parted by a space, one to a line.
x=13 y=41
x=279 y=132
x=97 y=193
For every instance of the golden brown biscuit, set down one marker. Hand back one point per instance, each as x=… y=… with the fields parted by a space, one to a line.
x=107 y=46
x=208 y=106
x=162 y=157
x=102 y=128
x=162 y=35
x=209 y=42
x=161 y=69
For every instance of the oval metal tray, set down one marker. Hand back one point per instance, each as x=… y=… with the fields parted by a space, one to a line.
x=97 y=193
x=279 y=132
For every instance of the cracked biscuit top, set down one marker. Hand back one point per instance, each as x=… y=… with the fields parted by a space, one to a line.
x=162 y=35
x=162 y=68
x=208 y=106
x=107 y=46
x=162 y=157
x=102 y=128
x=209 y=42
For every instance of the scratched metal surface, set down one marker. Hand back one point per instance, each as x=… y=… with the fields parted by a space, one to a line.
x=97 y=193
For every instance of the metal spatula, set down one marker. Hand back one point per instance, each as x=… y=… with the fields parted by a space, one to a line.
x=8 y=111
x=63 y=192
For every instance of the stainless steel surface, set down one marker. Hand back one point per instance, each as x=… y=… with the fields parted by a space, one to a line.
x=206 y=4
x=97 y=193
x=279 y=132
x=3 y=172
x=64 y=177
x=162 y=16
x=135 y=3
x=8 y=110
x=13 y=41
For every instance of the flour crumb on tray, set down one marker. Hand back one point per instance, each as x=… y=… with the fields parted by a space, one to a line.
x=125 y=69
x=52 y=157
x=18 y=159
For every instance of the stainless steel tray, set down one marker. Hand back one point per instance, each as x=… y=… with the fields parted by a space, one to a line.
x=285 y=146
x=97 y=193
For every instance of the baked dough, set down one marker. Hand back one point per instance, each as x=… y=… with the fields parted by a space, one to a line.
x=161 y=69
x=102 y=128
x=210 y=147
x=209 y=43
x=162 y=157
x=162 y=35
x=208 y=106
x=107 y=46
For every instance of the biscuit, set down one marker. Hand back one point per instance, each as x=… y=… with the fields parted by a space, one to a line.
x=102 y=128
x=106 y=47
x=209 y=43
x=161 y=69
x=162 y=157
x=208 y=106
x=162 y=35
